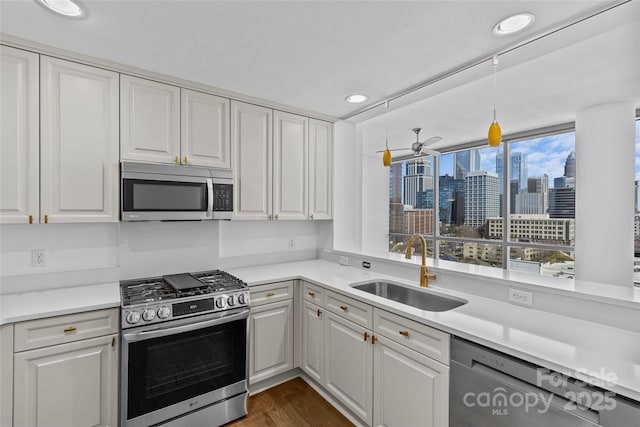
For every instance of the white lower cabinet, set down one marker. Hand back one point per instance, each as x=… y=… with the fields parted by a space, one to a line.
x=68 y=385
x=386 y=369
x=349 y=365
x=410 y=389
x=65 y=370
x=313 y=341
x=271 y=332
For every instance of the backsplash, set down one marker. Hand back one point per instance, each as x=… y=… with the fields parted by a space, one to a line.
x=78 y=254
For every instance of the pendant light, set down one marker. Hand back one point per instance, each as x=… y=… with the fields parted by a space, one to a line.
x=386 y=156
x=495 y=133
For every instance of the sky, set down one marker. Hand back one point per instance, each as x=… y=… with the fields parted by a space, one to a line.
x=546 y=155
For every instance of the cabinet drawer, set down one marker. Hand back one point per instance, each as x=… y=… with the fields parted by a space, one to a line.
x=273 y=292
x=421 y=338
x=313 y=293
x=63 y=329
x=356 y=311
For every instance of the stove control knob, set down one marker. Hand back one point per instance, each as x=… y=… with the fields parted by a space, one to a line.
x=231 y=301
x=164 y=312
x=149 y=315
x=133 y=317
x=241 y=299
x=221 y=302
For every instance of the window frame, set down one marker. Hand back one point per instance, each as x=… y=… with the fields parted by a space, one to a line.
x=506 y=244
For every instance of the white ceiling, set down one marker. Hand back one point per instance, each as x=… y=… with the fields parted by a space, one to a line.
x=312 y=54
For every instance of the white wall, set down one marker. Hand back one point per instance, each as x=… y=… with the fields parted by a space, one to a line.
x=347 y=176
x=79 y=254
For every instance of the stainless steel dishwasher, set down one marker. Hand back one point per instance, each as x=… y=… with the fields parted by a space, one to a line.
x=489 y=388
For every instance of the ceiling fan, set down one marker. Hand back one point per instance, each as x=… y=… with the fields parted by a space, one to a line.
x=418 y=149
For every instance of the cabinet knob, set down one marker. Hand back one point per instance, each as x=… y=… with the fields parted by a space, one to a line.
x=270 y=294
x=312 y=294
x=30 y=219
x=374 y=339
x=319 y=312
x=366 y=336
x=186 y=161
x=177 y=160
x=276 y=217
x=46 y=219
x=404 y=333
x=70 y=329
x=311 y=216
x=344 y=307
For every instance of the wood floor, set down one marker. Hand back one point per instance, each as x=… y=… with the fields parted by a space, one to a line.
x=294 y=404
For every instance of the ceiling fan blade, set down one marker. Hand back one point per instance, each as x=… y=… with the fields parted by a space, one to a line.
x=394 y=149
x=431 y=140
x=430 y=152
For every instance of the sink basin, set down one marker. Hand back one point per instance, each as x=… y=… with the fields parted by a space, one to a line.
x=418 y=298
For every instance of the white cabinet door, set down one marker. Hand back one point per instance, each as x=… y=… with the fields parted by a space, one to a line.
x=290 y=163
x=68 y=385
x=313 y=341
x=410 y=389
x=270 y=340
x=149 y=121
x=204 y=130
x=79 y=142
x=19 y=139
x=320 y=173
x=348 y=358
x=251 y=147
x=6 y=374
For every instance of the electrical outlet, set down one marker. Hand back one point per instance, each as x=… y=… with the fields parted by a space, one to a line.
x=344 y=260
x=291 y=243
x=38 y=258
x=520 y=297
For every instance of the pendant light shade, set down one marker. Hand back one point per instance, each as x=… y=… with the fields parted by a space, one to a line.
x=386 y=156
x=495 y=133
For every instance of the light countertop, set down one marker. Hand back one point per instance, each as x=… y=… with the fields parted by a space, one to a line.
x=55 y=302
x=606 y=356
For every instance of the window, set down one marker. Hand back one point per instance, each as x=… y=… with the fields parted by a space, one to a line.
x=474 y=205
x=636 y=223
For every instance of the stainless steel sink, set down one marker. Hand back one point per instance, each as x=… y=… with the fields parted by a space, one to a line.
x=418 y=298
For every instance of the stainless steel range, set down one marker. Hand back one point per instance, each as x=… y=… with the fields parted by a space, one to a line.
x=184 y=350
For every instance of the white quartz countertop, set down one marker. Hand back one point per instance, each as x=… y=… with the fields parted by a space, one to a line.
x=605 y=356
x=55 y=302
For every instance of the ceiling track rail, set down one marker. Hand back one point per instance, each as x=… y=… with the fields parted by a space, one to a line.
x=481 y=60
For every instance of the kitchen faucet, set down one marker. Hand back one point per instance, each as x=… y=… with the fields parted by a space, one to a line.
x=424 y=275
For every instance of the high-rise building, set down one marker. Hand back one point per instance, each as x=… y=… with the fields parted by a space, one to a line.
x=535 y=228
x=518 y=169
x=536 y=199
x=482 y=197
x=451 y=200
x=570 y=165
x=417 y=179
x=637 y=197
x=396 y=208
x=465 y=162
x=562 y=202
x=564 y=182
x=418 y=221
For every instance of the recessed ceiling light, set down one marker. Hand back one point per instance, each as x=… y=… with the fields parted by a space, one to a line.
x=63 y=7
x=513 y=24
x=356 y=98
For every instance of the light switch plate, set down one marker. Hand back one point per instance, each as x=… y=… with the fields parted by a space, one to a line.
x=344 y=260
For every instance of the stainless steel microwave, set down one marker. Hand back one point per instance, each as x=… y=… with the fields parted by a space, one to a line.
x=163 y=192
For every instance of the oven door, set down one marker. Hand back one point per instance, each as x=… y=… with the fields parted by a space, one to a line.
x=181 y=366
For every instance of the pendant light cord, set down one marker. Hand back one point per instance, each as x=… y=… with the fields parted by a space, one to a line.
x=494 y=61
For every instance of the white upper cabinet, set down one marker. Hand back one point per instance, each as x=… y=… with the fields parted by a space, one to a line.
x=149 y=121
x=79 y=142
x=251 y=145
x=320 y=172
x=19 y=140
x=204 y=130
x=290 y=165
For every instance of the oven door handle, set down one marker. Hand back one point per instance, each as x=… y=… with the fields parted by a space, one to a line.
x=209 y=198
x=222 y=319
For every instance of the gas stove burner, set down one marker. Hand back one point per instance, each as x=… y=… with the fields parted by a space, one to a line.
x=146 y=290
